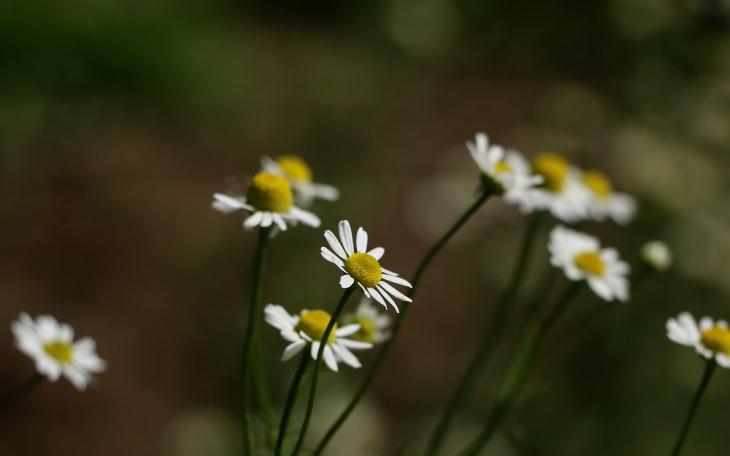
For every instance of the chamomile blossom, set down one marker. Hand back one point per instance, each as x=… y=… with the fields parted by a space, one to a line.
x=51 y=345
x=269 y=200
x=374 y=324
x=657 y=254
x=363 y=266
x=710 y=339
x=582 y=258
x=299 y=174
x=605 y=202
x=562 y=193
x=506 y=173
x=308 y=328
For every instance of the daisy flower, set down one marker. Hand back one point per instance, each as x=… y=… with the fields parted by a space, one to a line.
x=562 y=192
x=308 y=328
x=582 y=258
x=362 y=266
x=657 y=255
x=51 y=345
x=604 y=202
x=373 y=323
x=710 y=339
x=269 y=200
x=299 y=174
x=506 y=173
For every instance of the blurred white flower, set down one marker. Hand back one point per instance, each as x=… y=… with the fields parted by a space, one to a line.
x=362 y=266
x=506 y=173
x=308 y=328
x=269 y=200
x=373 y=323
x=582 y=258
x=657 y=255
x=710 y=339
x=604 y=202
x=51 y=345
x=299 y=174
x=562 y=193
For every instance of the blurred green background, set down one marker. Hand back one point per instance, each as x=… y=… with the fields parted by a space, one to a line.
x=119 y=119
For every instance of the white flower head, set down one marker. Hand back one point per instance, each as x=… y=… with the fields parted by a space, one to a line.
x=582 y=258
x=506 y=172
x=299 y=174
x=562 y=193
x=269 y=201
x=710 y=339
x=604 y=202
x=51 y=345
x=374 y=324
x=657 y=254
x=363 y=266
x=308 y=328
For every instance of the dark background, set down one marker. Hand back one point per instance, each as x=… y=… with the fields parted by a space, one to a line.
x=119 y=119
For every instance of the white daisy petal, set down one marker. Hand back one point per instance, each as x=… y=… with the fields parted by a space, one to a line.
x=377 y=253
x=362 y=240
x=293 y=349
x=346 y=237
x=346 y=281
x=334 y=244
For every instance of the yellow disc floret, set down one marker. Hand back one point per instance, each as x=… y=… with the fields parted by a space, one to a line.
x=553 y=168
x=314 y=323
x=60 y=351
x=295 y=168
x=367 y=329
x=270 y=192
x=598 y=183
x=590 y=263
x=717 y=339
x=503 y=167
x=364 y=268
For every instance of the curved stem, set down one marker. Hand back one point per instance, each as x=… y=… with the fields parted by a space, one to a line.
x=519 y=370
x=492 y=336
x=20 y=391
x=373 y=370
x=248 y=343
x=710 y=366
x=291 y=400
x=317 y=365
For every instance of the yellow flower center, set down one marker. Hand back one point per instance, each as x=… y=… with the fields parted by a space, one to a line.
x=503 y=167
x=367 y=330
x=590 y=263
x=553 y=168
x=314 y=323
x=364 y=268
x=269 y=192
x=60 y=351
x=598 y=183
x=295 y=168
x=717 y=339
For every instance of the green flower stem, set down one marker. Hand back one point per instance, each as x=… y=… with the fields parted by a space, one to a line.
x=20 y=391
x=492 y=335
x=522 y=363
x=317 y=366
x=291 y=400
x=405 y=307
x=250 y=337
x=643 y=272
x=710 y=366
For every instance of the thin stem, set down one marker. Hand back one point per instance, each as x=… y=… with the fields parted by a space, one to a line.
x=519 y=369
x=20 y=391
x=492 y=336
x=291 y=400
x=383 y=353
x=317 y=365
x=710 y=366
x=248 y=343
x=263 y=396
